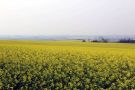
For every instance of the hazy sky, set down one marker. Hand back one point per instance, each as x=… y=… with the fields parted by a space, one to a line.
x=67 y=17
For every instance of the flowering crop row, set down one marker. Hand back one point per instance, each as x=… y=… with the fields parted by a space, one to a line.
x=38 y=67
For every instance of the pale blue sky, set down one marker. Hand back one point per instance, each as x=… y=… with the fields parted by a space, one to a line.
x=67 y=17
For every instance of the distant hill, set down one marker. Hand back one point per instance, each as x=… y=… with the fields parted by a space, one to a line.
x=66 y=37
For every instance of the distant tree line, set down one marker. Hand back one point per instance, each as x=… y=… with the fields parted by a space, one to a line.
x=129 y=40
x=101 y=40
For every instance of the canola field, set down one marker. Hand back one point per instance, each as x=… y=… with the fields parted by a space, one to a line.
x=66 y=65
